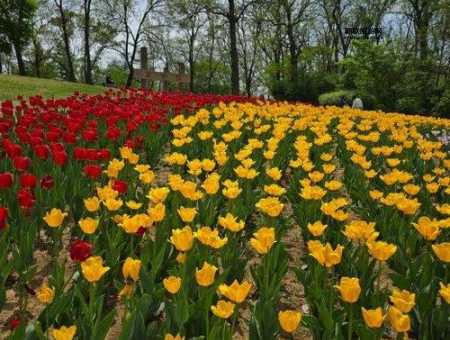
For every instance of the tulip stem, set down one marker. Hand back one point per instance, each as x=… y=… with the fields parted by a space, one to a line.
x=350 y=324
x=92 y=291
x=207 y=323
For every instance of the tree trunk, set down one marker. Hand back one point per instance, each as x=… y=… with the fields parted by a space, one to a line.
x=87 y=48
x=20 y=63
x=422 y=36
x=293 y=50
x=212 y=39
x=1 y=64
x=70 y=70
x=191 y=63
x=130 y=76
x=37 y=57
x=234 y=56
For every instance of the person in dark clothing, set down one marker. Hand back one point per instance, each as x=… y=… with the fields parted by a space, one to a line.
x=109 y=82
x=342 y=101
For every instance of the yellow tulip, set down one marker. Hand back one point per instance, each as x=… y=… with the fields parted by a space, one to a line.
x=127 y=290
x=263 y=240
x=373 y=317
x=157 y=212
x=403 y=300
x=125 y=152
x=147 y=177
x=64 y=333
x=223 y=309
x=324 y=254
x=236 y=292
x=208 y=165
x=113 y=204
x=172 y=284
x=380 y=250
x=411 y=189
x=54 y=218
x=181 y=257
x=429 y=229
x=187 y=215
x=157 y=195
x=274 y=190
x=333 y=185
x=316 y=176
x=92 y=204
x=133 y=205
x=106 y=192
x=93 y=269
x=270 y=206
x=205 y=275
x=88 y=225
x=274 y=173
x=45 y=294
x=442 y=251
x=443 y=209
x=231 y=223
x=212 y=183
x=349 y=288
x=195 y=167
x=232 y=189
x=289 y=320
x=445 y=292
x=359 y=230
x=182 y=239
x=210 y=237
x=317 y=228
x=114 y=167
x=375 y=194
x=312 y=192
x=400 y=322
x=204 y=135
x=189 y=190
x=169 y=336
x=131 y=268
x=142 y=168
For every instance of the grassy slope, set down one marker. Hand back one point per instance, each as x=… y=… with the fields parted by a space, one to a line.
x=13 y=86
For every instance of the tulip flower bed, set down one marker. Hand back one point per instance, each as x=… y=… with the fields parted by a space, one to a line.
x=198 y=229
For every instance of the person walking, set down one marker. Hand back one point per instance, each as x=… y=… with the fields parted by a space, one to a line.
x=342 y=101
x=357 y=103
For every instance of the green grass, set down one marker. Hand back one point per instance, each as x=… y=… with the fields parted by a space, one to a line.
x=13 y=86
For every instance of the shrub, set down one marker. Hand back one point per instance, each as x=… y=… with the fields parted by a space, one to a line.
x=332 y=98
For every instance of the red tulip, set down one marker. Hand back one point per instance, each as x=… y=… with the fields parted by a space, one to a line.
x=21 y=163
x=41 y=151
x=60 y=157
x=12 y=150
x=92 y=171
x=80 y=250
x=3 y=217
x=113 y=133
x=27 y=180
x=7 y=108
x=70 y=138
x=140 y=231
x=47 y=182
x=103 y=155
x=120 y=186
x=53 y=135
x=14 y=323
x=89 y=135
x=6 y=180
x=79 y=153
x=26 y=198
